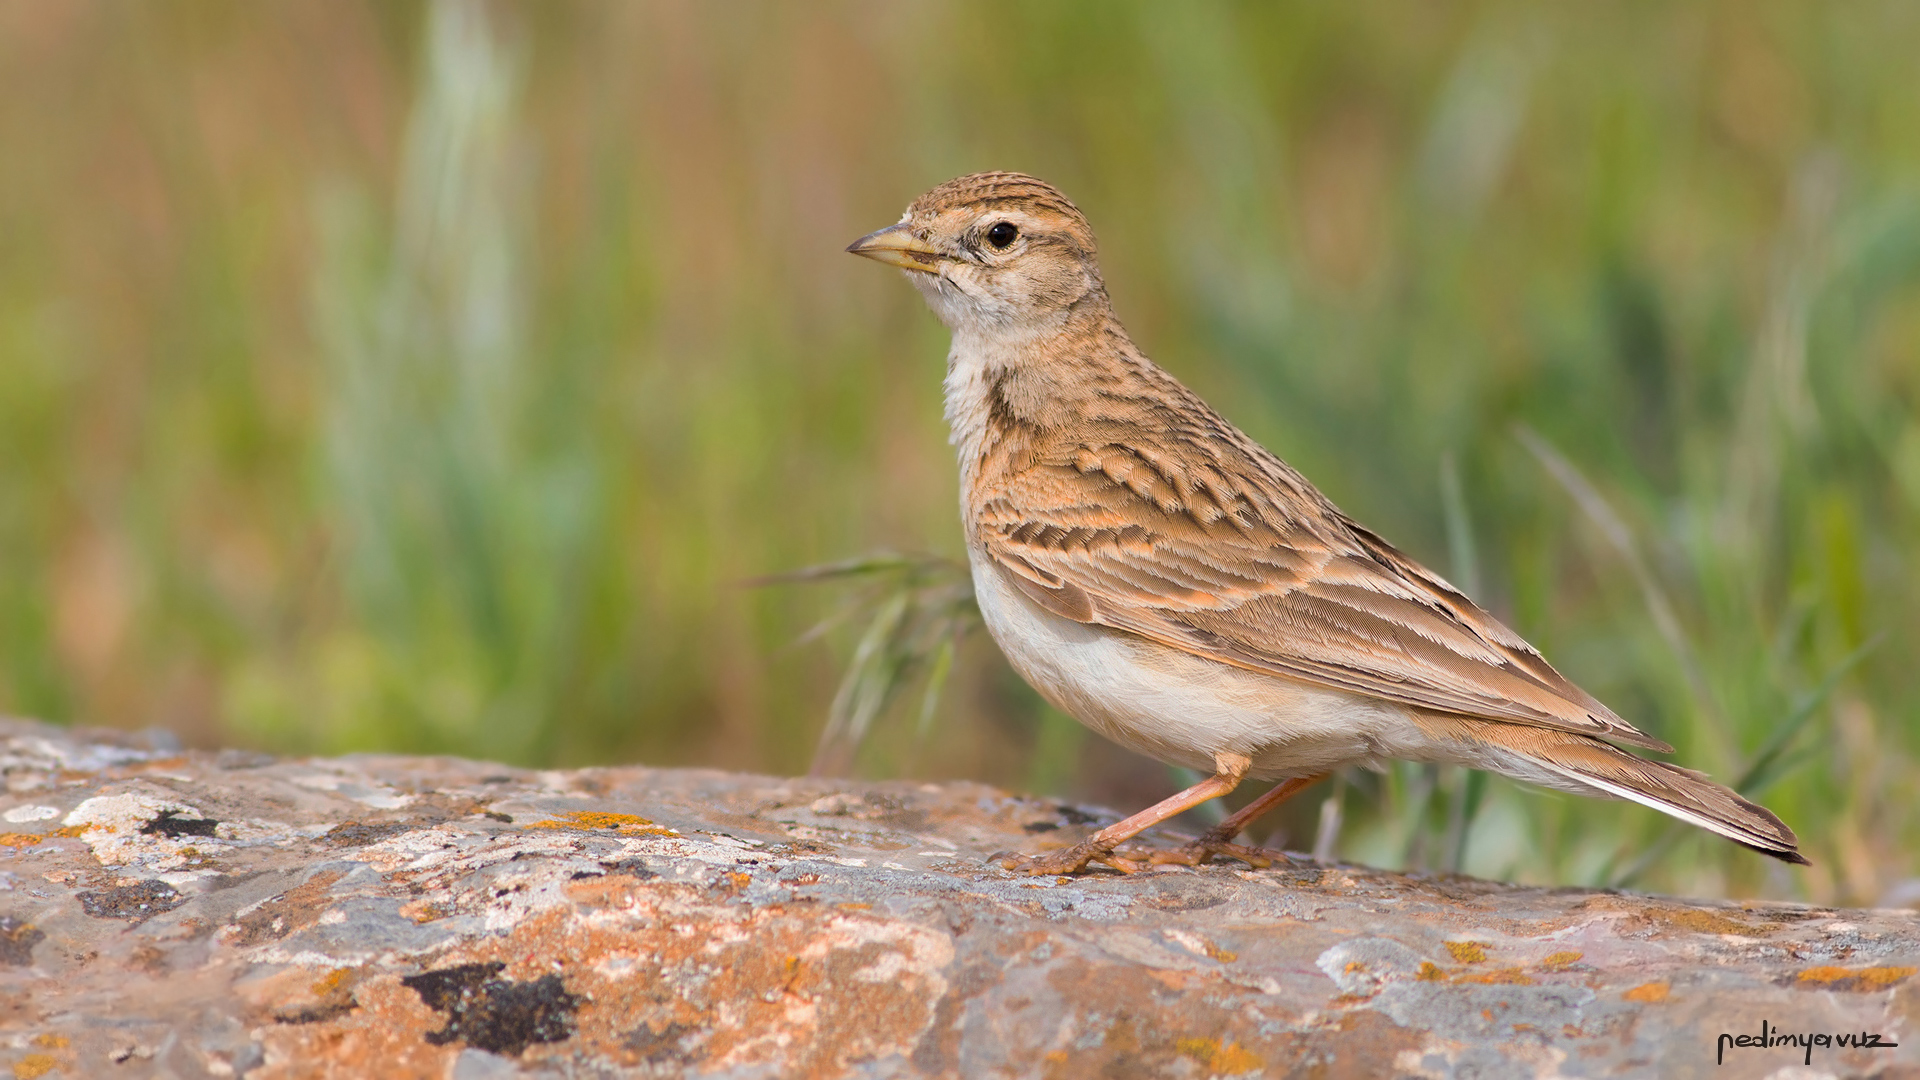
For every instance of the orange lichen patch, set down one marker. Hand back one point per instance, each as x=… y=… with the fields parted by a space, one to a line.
x=52 y=1042
x=1507 y=976
x=1857 y=980
x=1468 y=952
x=1429 y=972
x=1221 y=1058
x=1649 y=993
x=624 y=824
x=1561 y=961
x=19 y=839
x=34 y=1066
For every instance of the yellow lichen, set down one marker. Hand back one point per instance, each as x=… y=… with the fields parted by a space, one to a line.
x=1561 y=960
x=1228 y=1059
x=1468 y=952
x=624 y=824
x=34 y=1066
x=1648 y=993
x=1839 y=978
x=1507 y=976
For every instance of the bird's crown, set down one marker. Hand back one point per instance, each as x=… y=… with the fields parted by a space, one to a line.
x=984 y=189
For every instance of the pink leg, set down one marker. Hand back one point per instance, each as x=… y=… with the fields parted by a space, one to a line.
x=1219 y=839
x=1229 y=768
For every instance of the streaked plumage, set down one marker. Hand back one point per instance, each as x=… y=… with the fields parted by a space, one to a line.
x=1162 y=577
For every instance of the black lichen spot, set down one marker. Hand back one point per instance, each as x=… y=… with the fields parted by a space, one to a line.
x=362 y=833
x=498 y=816
x=17 y=940
x=1040 y=826
x=493 y=1014
x=171 y=824
x=141 y=900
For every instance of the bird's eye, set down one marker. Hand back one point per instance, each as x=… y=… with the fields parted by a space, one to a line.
x=1002 y=234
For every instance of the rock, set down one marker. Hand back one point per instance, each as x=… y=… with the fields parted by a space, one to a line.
x=165 y=913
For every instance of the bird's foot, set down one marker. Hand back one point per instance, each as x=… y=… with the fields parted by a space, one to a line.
x=1067 y=861
x=1207 y=847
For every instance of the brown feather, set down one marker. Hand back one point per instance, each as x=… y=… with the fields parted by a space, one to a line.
x=1610 y=772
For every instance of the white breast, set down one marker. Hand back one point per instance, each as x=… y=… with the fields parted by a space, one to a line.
x=1181 y=708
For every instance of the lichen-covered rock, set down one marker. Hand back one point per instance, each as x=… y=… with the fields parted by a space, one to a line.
x=175 y=914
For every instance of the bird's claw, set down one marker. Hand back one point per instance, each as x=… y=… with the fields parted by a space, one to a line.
x=1069 y=861
x=1204 y=849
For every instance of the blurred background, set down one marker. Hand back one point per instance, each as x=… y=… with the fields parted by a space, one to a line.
x=437 y=377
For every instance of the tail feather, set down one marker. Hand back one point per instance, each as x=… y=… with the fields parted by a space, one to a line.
x=1589 y=766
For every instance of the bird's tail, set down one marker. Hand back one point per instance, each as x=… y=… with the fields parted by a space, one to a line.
x=1588 y=766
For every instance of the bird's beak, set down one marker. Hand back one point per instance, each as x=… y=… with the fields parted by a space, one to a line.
x=896 y=245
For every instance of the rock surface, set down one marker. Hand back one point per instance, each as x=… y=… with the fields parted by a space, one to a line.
x=195 y=914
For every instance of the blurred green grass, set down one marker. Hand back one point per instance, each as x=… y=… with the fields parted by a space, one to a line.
x=431 y=378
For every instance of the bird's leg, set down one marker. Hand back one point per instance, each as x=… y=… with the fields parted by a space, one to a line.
x=1228 y=769
x=1219 y=839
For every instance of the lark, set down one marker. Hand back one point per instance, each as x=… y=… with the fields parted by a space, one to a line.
x=1176 y=587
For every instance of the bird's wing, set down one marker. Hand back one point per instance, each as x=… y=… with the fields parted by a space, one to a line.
x=1238 y=559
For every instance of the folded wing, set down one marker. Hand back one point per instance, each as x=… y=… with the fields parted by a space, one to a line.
x=1242 y=561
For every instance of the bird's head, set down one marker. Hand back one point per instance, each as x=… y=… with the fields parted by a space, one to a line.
x=999 y=253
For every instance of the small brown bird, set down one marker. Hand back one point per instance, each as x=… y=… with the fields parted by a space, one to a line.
x=1176 y=587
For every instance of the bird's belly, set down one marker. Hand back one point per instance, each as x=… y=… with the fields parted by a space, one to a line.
x=1182 y=708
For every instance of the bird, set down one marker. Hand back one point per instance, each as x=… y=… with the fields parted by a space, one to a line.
x=1175 y=586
